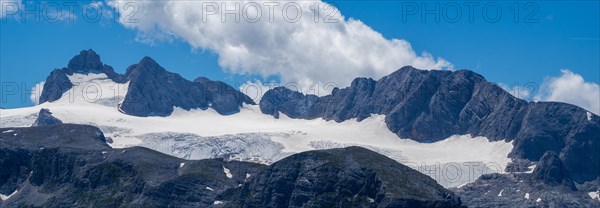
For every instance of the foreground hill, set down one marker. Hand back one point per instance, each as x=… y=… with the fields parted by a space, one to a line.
x=67 y=165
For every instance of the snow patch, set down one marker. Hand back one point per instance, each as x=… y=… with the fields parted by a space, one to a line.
x=93 y=89
x=526 y=195
x=5 y=197
x=500 y=194
x=530 y=169
x=209 y=188
x=227 y=172
x=538 y=200
x=594 y=195
x=218 y=202
x=8 y=131
x=589 y=116
x=181 y=165
x=371 y=200
x=247 y=175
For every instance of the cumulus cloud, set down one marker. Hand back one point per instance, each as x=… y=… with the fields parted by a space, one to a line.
x=571 y=88
x=256 y=89
x=36 y=92
x=568 y=87
x=9 y=6
x=287 y=39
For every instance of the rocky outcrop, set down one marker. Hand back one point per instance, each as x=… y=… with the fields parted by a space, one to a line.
x=550 y=170
x=57 y=83
x=153 y=91
x=45 y=118
x=523 y=190
x=429 y=106
x=65 y=165
x=348 y=177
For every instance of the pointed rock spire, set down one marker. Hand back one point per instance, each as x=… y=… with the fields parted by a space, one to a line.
x=45 y=118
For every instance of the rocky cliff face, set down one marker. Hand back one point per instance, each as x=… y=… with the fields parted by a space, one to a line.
x=66 y=165
x=348 y=177
x=523 y=190
x=153 y=91
x=57 y=83
x=428 y=106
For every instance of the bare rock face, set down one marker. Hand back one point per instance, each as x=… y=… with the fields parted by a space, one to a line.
x=551 y=171
x=153 y=91
x=57 y=83
x=45 y=118
x=523 y=190
x=429 y=106
x=347 y=177
x=67 y=164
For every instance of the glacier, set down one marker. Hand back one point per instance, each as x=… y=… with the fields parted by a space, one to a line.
x=252 y=136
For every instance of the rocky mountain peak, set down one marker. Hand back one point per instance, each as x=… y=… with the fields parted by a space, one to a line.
x=145 y=67
x=88 y=61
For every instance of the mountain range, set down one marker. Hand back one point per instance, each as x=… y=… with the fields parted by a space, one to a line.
x=296 y=150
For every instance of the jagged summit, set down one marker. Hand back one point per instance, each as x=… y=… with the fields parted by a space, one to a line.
x=429 y=106
x=152 y=90
x=87 y=61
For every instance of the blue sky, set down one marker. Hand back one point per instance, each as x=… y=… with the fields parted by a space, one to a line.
x=559 y=35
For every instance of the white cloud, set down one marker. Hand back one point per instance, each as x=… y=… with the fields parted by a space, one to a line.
x=256 y=89
x=303 y=52
x=571 y=88
x=9 y=6
x=96 y=4
x=36 y=92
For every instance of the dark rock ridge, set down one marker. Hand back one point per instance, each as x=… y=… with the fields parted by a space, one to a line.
x=428 y=106
x=57 y=83
x=551 y=171
x=523 y=190
x=153 y=91
x=348 y=177
x=69 y=165
x=45 y=118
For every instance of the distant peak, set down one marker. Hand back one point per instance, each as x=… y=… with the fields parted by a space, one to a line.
x=146 y=66
x=147 y=60
x=88 y=61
